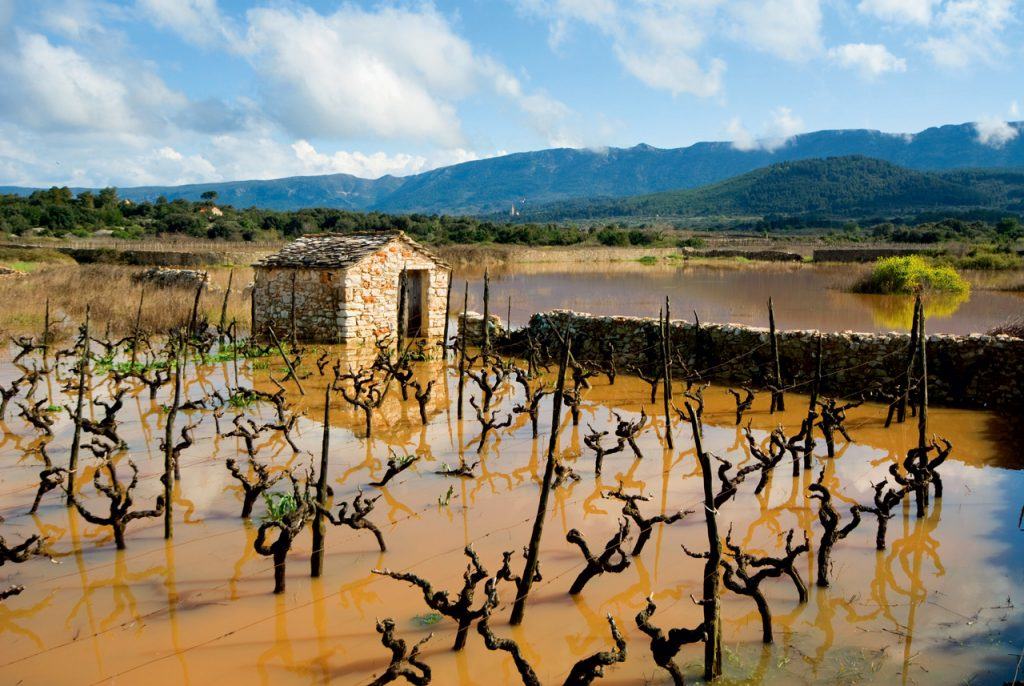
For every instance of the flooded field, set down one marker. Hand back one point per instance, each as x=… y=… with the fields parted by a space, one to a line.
x=805 y=296
x=941 y=605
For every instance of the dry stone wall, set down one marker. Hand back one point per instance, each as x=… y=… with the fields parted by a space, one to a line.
x=162 y=277
x=865 y=254
x=972 y=371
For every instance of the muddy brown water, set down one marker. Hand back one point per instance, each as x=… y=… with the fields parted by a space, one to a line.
x=940 y=606
x=805 y=296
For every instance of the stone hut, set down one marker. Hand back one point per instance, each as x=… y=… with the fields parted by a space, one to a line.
x=345 y=287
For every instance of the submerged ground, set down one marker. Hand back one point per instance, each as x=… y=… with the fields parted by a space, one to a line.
x=939 y=606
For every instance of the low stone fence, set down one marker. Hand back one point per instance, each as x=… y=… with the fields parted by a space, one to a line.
x=162 y=277
x=756 y=255
x=865 y=254
x=970 y=371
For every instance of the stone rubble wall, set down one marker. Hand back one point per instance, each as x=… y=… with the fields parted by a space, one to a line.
x=865 y=254
x=355 y=304
x=970 y=371
x=757 y=255
x=162 y=277
x=472 y=326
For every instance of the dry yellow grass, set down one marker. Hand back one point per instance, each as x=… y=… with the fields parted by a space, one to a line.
x=114 y=299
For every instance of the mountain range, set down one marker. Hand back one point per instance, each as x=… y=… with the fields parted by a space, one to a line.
x=536 y=182
x=836 y=187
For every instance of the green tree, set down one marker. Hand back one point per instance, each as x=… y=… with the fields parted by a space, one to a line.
x=108 y=197
x=58 y=218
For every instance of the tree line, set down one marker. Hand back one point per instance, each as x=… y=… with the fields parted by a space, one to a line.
x=59 y=212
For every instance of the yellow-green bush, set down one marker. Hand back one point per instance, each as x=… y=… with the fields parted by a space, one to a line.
x=909 y=274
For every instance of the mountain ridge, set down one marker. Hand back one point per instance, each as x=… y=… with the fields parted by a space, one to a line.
x=833 y=187
x=530 y=179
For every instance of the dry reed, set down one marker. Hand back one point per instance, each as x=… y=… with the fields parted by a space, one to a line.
x=114 y=299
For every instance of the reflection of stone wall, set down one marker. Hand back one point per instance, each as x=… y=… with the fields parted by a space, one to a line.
x=975 y=370
x=357 y=304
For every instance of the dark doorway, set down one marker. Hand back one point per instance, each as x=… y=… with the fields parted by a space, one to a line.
x=416 y=297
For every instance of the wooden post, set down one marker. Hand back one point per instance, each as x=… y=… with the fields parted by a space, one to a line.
x=508 y=316
x=193 y=318
x=533 y=551
x=403 y=286
x=135 y=330
x=46 y=332
x=76 y=439
x=710 y=601
x=319 y=528
x=291 y=313
x=180 y=355
x=778 y=397
x=922 y=415
x=287 y=362
x=668 y=346
x=812 y=409
x=487 y=314
x=698 y=344
x=463 y=338
x=447 y=313
x=666 y=373
x=901 y=408
x=252 y=312
x=224 y=305
x=233 y=337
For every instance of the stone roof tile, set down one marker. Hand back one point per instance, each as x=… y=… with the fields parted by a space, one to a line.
x=334 y=250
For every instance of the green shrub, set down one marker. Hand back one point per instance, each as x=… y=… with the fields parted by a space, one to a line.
x=908 y=274
x=648 y=259
x=11 y=254
x=989 y=261
x=613 y=237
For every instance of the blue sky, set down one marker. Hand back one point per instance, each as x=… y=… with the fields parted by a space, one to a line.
x=178 y=91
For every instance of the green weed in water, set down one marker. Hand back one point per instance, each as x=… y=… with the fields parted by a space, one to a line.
x=428 y=619
x=279 y=506
x=443 y=500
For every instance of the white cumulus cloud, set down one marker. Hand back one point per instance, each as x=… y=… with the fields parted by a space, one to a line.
x=789 y=29
x=658 y=42
x=968 y=32
x=870 y=61
x=995 y=132
x=900 y=11
x=782 y=126
x=55 y=87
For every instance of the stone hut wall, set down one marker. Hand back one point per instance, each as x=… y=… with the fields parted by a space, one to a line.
x=355 y=304
x=318 y=295
x=972 y=371
x=370 y=308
